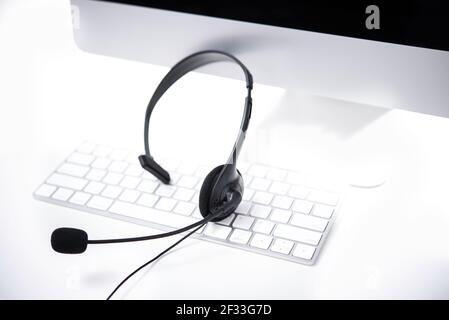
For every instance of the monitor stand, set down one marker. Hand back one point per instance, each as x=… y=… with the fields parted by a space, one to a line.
x=343 y=140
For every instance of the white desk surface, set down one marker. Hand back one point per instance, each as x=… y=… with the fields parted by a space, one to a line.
x=387 y=242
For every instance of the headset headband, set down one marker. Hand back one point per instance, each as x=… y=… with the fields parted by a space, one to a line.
x=183 y=67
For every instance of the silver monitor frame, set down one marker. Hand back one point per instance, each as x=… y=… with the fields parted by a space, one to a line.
x=356 y=70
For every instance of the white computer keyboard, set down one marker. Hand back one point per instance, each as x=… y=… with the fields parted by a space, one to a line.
x=279 y=215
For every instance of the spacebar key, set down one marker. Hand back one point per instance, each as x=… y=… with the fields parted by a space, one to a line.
x=151 y=215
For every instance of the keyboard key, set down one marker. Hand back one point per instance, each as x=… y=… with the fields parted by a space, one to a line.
x=147 y=200
x=98 y=202
x=323 y=211
x=243 y=167
x=280 y=215
x=279 y=187
x=152 y=215
x=295 y=178
x=96 y=174
x=303 y=251
x=174 y=177
x=113 y=178
x=260 y=211
x=282 y=246
x=243 y=207
x=80 y=158
x=323 y=197
x=197 y=214
x=202 y=171
x=73 y=169
x=62 y=194
x=217 y=231
x=262 y=197
x=45 y=190
x=129 y=195
x=263 y=226
x=130 y=182
x=134 y=170
x=309 y=222
x=112 y=191
x=119 y=154
x=260 y=184
x=228 y=220
x=102 y=151
x=261 y=241
x=186 y=169
x=94 y=187
x=276 y=174
x=67 y=181
x=247 y=180
x=188 y=182
x=165 y=190
x=196 y=198
x=240 y=236
x=184 y=194
x=297 y=234
x=170 y=164
x=258 y=171
x=80 y=198
x=302 y=206
x=118 y=166
x=86 y=147
x=243 y=222
x=184 y=208
x=282 y=202
x=133 y=158
x=247 y=194
x=166 y=204
x=200 y=230
x=299 y=192
x=149 y=176
x=101 y=163
x=147 y=186
x=199 y=185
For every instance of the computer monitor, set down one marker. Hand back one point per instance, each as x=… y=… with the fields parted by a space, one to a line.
x=326 y=49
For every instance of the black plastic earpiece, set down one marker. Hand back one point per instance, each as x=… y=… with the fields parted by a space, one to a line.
x=211 y=199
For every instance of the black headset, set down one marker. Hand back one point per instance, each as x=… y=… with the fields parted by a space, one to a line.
x=222 y=189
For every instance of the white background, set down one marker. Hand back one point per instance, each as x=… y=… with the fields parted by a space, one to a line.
x=388 y=242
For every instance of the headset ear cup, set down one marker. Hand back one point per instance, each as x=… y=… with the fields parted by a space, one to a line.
x=206 y=190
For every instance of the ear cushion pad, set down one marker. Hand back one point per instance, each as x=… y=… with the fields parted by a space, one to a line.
x=206 y=190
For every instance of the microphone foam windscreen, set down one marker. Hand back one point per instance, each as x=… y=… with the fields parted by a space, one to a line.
x=69 y=240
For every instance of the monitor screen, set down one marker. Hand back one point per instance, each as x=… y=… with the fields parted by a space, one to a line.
x=414 y=23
